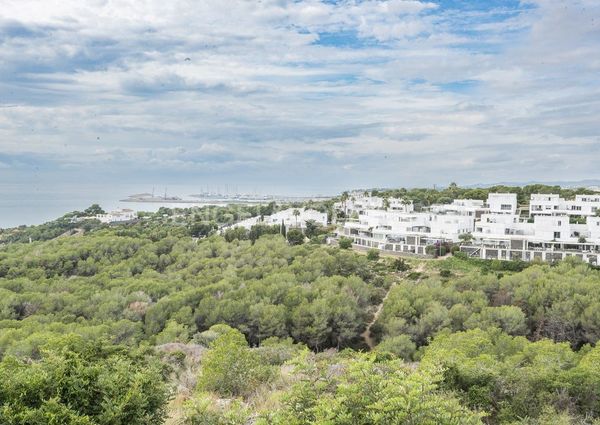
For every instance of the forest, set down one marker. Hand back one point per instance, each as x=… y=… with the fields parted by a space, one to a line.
x=162 y=322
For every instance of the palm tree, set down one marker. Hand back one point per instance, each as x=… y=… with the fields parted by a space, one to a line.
x=296 y=214
x=344 y=199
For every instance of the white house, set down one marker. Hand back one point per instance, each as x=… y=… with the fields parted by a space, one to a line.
x=246 y=224
x=551 y=204
x=470 y=207
x=359 y=202
x=502 y=203
x=119 y=216
x=287 y=217
x=296 y=217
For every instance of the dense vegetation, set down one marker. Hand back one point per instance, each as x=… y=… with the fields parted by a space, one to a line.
x=426 y=196
x=74 y=381
x=147 y=323
x=133 y=289
x=559 y=302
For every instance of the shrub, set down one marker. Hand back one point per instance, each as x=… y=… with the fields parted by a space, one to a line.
x=230 y=368
x=82 y=383
x=204 y=411
x=400 y=265
x=295 y=237
x=400 y=345
x=345 y=243
x=373 y=254
x=445 y=273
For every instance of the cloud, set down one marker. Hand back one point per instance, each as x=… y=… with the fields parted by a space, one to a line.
x=381 y=92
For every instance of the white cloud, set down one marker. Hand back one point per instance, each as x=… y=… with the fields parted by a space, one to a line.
x=220 y=84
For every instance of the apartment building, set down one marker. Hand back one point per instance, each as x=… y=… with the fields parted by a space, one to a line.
x=550 y=234
x=551 y=204
x=408 y=232
x=359 y=202
x=497 y=230
x=470 y=207
x=502 y=203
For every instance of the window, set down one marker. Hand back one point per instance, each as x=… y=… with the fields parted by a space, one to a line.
x=556 y=235
x=506 y=207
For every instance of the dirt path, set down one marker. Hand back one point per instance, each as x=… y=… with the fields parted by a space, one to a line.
x=366 y=335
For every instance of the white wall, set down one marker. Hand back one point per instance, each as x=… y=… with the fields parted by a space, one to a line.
x=545 y=228
x=502 y=203
x=585 y=205
x=593 y=227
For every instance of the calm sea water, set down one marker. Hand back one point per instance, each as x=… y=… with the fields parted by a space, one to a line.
x=25 y=204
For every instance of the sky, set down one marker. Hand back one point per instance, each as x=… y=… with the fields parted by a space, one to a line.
x=304 y=96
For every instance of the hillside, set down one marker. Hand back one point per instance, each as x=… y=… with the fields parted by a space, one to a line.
x=143 y=324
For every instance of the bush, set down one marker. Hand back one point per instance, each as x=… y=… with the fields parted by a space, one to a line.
x=276 y=351
x=345 y=243
x=230 y=368
x=445 y=273
x=460 y=254
x=367 y=389
x=78 y=382
x=295 y=237
x=400 y=345
x=373 y=254
x=512 y=378
x=400 y=265
x=204 y=411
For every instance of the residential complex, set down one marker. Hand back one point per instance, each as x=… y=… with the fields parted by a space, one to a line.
x=359 y=202
x=291 y=218
x=496 y=229
x=407 y=231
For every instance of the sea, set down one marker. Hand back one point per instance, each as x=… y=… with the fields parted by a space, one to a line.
x=22 y=204
x=31 y=204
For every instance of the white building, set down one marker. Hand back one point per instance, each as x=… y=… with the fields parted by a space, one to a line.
x=550 y=234
x=470 y=207
x=496 y=227
x=359 y=202
x=288 y=217
x=296 y=217
x=408 y=232
x=502 y=203
x=246 y=224
x=119 y=216
x=551 y=204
